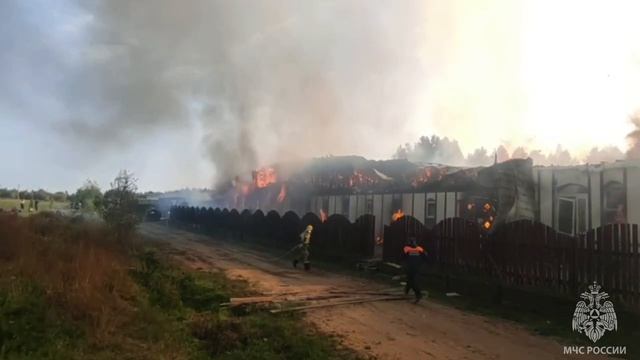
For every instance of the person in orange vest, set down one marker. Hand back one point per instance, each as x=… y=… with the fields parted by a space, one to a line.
x=414 y=256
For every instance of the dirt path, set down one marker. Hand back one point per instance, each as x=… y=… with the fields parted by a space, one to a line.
x=385 y=330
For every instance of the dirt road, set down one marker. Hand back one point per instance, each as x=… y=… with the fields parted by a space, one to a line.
x=384 y=330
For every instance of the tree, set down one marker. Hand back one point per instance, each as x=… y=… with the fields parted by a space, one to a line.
x=502 y=154
x=88 y=197
x=432 y=150
x=59 y=196
x=402 y=152
x=479 y=158
x=561 y=157
x=120 y=206
x=519 y=153
x=606 y=154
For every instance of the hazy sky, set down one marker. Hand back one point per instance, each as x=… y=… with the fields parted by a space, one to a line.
x=180 y=94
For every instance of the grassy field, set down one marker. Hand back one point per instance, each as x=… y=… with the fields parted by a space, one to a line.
x=8 y=204
x=67 y=291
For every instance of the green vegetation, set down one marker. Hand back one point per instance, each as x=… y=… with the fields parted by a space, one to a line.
x=88 y=197
x=119 y=206
x=69 y=290
x=9 y=204
x=41 y=195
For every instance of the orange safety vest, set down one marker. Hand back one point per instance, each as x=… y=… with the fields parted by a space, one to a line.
x=413 y=251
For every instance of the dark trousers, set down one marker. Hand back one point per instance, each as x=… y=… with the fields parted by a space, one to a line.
x=412 y=284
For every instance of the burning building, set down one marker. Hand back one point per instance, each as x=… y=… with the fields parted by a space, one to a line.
x=569 y=199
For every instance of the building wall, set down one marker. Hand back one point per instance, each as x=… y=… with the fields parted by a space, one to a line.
x=591 y=181
x=352 y=208
x=377 y=212
x=440 y=206
x=545 y=187
x=596 y=215
x=332 y=206
x=452 y=206
x=360 y=201
x=633 y=195
x=418 y=206
x=407 y=204
x=595 y=180
x=387 y=209
x=612 y=174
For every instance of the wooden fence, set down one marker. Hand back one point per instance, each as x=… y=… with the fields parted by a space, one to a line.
x=529 y=254
x=335 y=238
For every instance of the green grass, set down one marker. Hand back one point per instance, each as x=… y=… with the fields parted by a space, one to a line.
x=30 y=328
x=193 y=299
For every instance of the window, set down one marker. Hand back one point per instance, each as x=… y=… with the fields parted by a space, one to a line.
x=566 y=215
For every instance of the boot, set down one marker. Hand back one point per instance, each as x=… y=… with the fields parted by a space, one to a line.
x=307 y=266
x=418 y=297
x=295 y=263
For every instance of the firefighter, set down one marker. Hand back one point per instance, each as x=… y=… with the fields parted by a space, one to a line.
x=414 y=256
x=303 y=249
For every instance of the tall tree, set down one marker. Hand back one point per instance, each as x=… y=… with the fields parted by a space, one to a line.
x=120 y=206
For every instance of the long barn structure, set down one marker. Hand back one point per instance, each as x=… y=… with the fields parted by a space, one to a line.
x=569 y=199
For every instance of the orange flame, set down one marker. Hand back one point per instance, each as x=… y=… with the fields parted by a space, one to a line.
x=397 y=215
x=265 y=177
x=487 y=225
x=323 y=215
x=283 y=193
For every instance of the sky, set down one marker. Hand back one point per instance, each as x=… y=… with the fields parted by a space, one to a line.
x=186 y=94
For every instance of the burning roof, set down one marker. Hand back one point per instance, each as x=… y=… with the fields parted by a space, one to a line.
x=354 y=174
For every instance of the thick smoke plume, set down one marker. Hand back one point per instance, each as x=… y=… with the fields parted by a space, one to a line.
x=167 y=87
x=266 y=81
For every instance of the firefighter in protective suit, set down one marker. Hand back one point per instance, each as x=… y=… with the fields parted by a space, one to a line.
x=303 y=248
x=414 y=256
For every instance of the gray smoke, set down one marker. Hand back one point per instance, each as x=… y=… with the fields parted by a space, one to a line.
x=634 y=138
x=266 y=80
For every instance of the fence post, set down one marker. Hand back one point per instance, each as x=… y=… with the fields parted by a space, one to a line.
x=572 y=271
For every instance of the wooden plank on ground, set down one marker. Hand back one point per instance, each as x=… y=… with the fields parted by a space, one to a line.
x=336 y=303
